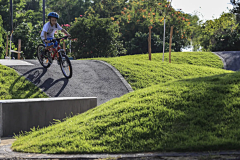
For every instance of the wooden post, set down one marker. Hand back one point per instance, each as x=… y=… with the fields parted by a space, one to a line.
x=64 y=47
x=149 y=43
x=19 y=48
x=7 y=47
x=170 y=44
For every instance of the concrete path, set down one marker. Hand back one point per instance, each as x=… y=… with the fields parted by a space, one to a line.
x=9 y=62
x=90 y=79
x=231 y=59
x=7 y=153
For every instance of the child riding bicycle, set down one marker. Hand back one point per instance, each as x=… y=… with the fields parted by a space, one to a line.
x=49 y=29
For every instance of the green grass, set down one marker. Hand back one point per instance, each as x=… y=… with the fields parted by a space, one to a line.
x=198 y=114
x=141 y=73
x=13 y=86
x=208 y=59
x=181 y=107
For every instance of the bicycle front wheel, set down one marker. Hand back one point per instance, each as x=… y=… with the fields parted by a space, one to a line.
x=42 y=58
x=65 y=65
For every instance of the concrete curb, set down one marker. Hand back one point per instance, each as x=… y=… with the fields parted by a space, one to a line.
x=8 y=153
x=223 y=60
x=128 y=86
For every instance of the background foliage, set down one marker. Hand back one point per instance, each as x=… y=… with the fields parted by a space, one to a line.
x=96 y=38
x=129 y=25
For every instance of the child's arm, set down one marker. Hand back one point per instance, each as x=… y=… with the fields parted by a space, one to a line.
x=45 y=37
x=64 y=31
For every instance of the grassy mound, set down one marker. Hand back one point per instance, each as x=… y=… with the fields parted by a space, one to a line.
x=208 y=59
x=141 y=73
x=14 y=86
x=184 y=114
x=199 y=114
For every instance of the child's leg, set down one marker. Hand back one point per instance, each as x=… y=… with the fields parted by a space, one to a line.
x=47 y=45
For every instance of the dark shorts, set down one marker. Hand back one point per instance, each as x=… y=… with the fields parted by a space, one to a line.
x=49 y=44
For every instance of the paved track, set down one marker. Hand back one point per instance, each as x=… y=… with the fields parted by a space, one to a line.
x=231 y=59
x=90 y=79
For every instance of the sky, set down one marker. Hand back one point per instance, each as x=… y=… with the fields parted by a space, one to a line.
x=206 y=9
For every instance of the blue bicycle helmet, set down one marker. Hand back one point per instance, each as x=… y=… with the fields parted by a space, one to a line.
x=53 y=14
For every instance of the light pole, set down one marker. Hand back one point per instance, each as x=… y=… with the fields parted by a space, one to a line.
x=11 y=15
x=43 y=12
x=11 y=24
x=163 y=40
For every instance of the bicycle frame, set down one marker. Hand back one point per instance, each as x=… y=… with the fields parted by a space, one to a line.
x=55 y=50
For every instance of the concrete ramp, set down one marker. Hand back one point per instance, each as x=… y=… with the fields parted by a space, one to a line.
x=18 y=115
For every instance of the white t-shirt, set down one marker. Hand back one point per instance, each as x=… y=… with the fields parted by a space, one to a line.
x=50 y=30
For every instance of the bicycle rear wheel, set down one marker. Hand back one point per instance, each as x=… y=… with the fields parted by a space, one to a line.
x=42 y=58
x=65 y=65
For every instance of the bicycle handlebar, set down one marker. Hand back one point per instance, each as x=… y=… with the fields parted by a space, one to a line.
x=58 y=39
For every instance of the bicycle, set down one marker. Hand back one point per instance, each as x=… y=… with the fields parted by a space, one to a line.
x=46 y=57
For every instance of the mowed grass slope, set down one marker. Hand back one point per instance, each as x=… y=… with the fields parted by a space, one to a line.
x=201 y=113
x=14 y=86
x=196 y=58
x=142 y=73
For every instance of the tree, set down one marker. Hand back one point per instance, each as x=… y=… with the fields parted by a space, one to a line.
x=18 y=6
x=95 y=37
x=2 y=34
x=140 y=14
x=68 y=9
x=32 y=5
x=220 y=34
x=107 y=8
x=236 y=8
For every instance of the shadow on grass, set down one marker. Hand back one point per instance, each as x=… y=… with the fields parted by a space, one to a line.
x=19 y=88
x=196 y=114
x=211 y=107
x=35 y=76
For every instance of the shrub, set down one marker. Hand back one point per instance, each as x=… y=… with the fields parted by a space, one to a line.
x=30 y=38
x=139 y=44
x=2 y=33
x=220 y=34
x=95 y=37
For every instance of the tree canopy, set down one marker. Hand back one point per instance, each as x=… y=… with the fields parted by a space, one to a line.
x=132 y=18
